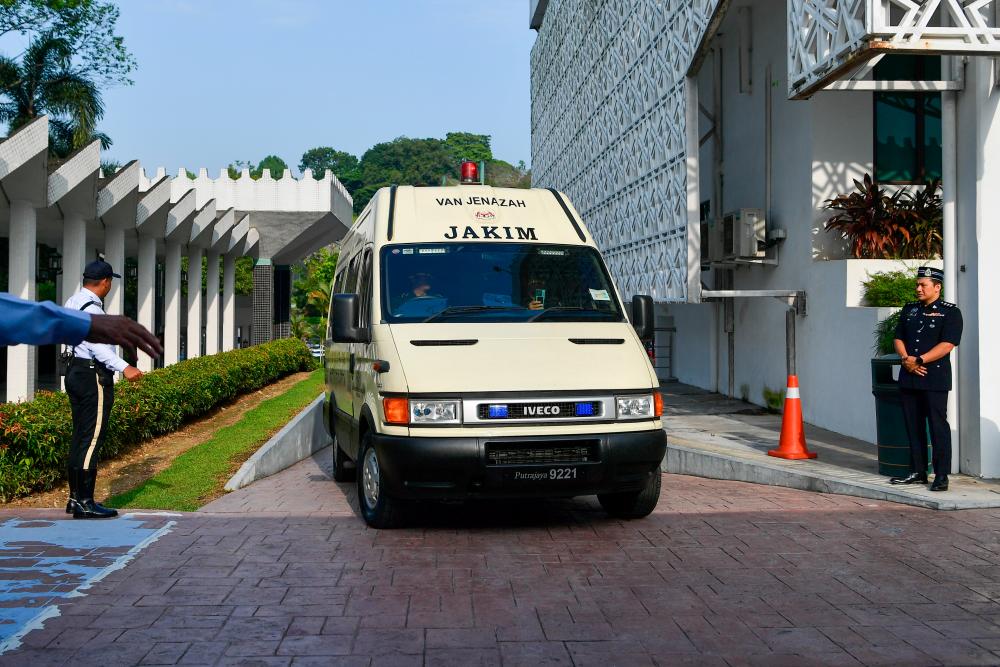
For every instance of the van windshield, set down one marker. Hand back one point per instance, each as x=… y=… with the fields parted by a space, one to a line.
x=496 y=282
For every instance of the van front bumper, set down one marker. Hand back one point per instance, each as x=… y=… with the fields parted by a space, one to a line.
x=461 y=467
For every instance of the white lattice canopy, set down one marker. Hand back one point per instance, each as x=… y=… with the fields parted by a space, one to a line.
x=827 y=38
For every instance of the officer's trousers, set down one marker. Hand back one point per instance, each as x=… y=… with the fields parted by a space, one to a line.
x=91 y=394
x=922 y=410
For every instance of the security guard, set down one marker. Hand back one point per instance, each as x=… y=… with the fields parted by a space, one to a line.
x=91 y=389
x=928 y=330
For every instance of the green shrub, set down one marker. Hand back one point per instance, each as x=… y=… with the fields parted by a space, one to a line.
x=35 y=436
x=890 y=288
x=885 y=334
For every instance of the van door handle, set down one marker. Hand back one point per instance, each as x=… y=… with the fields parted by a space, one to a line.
x=351 y=365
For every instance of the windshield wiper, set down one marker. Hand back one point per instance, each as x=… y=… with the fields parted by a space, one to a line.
x=563 y=309
x=457 y=310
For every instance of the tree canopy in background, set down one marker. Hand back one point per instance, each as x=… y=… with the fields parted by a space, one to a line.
x=321 y=158
x=45 y=82
x=89 y=28
x=273 y=163
x=410 y=161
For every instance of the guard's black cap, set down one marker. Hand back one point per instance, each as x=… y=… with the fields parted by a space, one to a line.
x=99 y=270
x=930 y=272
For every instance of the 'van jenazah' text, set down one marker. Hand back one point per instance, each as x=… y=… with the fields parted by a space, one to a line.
x=500 y=202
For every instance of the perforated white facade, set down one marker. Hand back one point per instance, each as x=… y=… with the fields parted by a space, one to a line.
x=825 y=36
x=608 y=128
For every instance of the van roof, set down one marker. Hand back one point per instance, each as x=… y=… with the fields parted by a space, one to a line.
x=478 y=213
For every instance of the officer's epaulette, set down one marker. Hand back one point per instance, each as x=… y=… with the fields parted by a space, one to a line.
x=947 y=304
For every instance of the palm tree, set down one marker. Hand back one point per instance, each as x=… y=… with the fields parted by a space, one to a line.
x=46 y=83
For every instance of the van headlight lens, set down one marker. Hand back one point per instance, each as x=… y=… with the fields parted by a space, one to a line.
x=635 y=407
x=434 y=412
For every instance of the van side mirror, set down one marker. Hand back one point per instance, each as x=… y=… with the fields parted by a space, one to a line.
x=344 y=318
x=643 y=317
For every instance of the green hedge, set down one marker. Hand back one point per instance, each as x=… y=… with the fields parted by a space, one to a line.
x=890 y=288
x=35 y=436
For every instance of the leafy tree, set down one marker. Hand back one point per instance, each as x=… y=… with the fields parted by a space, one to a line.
x=402 y=160
x=88 y=26
x=321 y=158
x=311 y=287
x=275 y=164
x=468 y=146
x=45 y=83
x=244 y=276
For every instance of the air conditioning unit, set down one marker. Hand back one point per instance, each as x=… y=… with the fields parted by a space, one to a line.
x=743 y=234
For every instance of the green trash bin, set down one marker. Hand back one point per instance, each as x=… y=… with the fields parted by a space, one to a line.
x=893 y=444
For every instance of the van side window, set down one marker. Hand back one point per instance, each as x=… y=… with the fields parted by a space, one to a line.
x=365 y=288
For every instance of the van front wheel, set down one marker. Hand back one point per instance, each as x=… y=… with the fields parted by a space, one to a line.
x=634 y=504
x=377 y=508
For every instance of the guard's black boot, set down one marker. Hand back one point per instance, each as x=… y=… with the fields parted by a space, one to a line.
x=87 y=508
x=912 y=478
x=73 y=498
x=940 y=483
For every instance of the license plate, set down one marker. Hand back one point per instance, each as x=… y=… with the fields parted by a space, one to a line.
x=553 y=474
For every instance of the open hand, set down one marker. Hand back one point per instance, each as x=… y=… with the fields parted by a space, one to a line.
x=120 y=330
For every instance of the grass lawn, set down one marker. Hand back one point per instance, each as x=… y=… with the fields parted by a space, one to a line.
x=198 y=475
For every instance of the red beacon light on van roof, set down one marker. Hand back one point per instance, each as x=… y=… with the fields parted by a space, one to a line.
x=470 y=173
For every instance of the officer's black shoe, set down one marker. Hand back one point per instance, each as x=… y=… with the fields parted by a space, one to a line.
x=940 y=483
x=73 y=483
x=87 y=507
x=912 y=478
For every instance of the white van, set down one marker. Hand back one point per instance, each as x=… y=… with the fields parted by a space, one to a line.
x=477 y=348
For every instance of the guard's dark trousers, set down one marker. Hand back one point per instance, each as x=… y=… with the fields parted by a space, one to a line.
x=922 y=410
x=91 y=394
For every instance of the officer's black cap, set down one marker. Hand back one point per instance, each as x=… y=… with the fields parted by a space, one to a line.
x=930 y=272
x=99 y=270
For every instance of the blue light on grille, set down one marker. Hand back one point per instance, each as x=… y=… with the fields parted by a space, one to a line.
x=498 y=412
x=584 y=409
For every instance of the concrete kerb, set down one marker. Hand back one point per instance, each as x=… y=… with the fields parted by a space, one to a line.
x=300 y=438
x=688 y=458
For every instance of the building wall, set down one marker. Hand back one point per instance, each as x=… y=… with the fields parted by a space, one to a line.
x=607 y=118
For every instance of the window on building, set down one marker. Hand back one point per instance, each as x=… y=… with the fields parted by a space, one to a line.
x=908 y=125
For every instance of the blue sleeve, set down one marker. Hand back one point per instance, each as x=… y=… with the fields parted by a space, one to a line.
x=40 y=323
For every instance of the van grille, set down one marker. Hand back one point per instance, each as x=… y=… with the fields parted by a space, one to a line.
x=553 y=410
x=527 y=453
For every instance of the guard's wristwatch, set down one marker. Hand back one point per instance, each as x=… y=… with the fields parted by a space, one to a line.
x=920 y=361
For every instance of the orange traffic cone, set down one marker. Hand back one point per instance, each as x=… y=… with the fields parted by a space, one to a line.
x=792 y=444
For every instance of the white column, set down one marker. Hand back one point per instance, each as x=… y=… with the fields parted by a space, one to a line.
x=74 y=255
x=114 y=254
x=172 y=304
x=228 y=301
x=949 y=181
x=212 y=303
x=194 y=302
x=147 y=292
x=21 y=283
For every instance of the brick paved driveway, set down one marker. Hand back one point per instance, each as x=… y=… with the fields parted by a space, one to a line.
x=724 y=573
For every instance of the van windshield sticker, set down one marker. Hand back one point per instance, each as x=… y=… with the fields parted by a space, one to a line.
x=431 y=251
x=407 y=251
x=554 y=253
x=600 y=295
x=491 y=232
x=502 y=202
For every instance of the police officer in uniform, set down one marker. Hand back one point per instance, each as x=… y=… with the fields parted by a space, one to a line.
x=928 y=330
x=91 y=389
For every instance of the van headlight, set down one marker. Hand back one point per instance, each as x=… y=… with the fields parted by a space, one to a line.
x=435 y=412
x=635 y=407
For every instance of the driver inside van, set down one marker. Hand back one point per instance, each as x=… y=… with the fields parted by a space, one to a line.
x=420 y=286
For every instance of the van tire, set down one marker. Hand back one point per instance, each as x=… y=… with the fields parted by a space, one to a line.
x=385 y=512
x=634 y=504
x=341 y=473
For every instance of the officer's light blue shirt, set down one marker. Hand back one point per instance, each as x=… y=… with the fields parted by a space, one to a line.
x=39 y=323
x=101 y=352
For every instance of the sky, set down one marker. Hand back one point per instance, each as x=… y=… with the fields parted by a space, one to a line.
x=225 y=80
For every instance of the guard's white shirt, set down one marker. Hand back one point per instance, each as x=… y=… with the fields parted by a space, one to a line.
x=101 y=352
